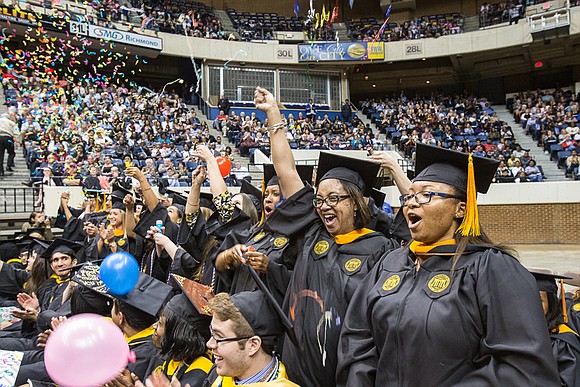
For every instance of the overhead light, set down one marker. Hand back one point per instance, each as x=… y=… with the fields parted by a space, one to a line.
x=366 y=77
x=427 y=81
x=424 y=59
x=374 y=85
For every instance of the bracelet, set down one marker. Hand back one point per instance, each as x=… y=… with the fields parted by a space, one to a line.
x=145 y=189
x=193 y=205
x=277 y=127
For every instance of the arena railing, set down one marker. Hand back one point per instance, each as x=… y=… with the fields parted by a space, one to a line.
x=18 y=199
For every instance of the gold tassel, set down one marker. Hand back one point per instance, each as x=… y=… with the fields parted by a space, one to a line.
x=470 y=224
x=563 y=294
x=262 y=215
x=104 y=202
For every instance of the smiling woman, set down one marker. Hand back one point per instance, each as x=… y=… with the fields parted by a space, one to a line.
x=449 y=297
x=335 y=255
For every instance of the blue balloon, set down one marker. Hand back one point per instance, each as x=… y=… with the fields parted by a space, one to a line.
x=120 y=272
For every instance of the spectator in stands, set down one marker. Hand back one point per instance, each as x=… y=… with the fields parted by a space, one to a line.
x=346 y=111
x=533 y=172
x=224 y=105
x=568 y=143
x=310 y=110
x=504 y=174
x=572 y=164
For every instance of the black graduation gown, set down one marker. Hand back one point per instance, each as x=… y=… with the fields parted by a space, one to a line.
x=144 y=350
x=566 y=350
x=11 y=283
x=325 y=277
x=194 y=375
x=574 y=314
x=391 y=226
x=194 y=241
x=482 y=325
x=280 y=238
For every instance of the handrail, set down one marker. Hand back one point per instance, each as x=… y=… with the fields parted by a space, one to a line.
x=18 y=199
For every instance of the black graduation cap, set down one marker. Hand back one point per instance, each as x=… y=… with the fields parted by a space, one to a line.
x=573 y=279
x=279 y=317
x=359 y=172
x=87 y=275
x=9 y=249
x=254 y=193
x=178 y=197
x=259 y=312
x=118 y=195
x=546 y=279
x=148 y=295
x=29 y=231
x=447 y=166
x=467 y=173
x=191 y=305
x=64 y=246
x=378 y=197
x=305 y=172
x=206 y=200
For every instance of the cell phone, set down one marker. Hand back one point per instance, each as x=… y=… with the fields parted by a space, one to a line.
x=159 y=225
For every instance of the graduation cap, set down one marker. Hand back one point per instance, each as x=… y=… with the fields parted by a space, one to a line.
x=378 y=197
x=259 y=312
x=9 y=249
x=361 y=173
x=178 y=197
x=191 y=305
x=253 y=193
x=305 y=172
x=91 y=288
x=206 y=200
x=469 y=174
x=546 y=281
x=573 y=280
x=148 y=295
x=276 y=318
x=64 y=246
x=28 y=233
x=118 y=195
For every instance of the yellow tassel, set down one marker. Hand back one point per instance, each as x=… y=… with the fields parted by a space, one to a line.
x=470 y=224
x=262 y=215
x=104 y=202
x=563 y=294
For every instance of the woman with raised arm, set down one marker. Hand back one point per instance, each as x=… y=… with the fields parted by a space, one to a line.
x=452 y=299
x=336 y=254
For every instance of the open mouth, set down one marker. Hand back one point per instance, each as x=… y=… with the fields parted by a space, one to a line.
x=413 y=221
x=329 y=220
x=217 y=360
x=268 y=210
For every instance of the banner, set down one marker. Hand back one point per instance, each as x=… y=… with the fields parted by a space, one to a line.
x=327 y=52
x=19 y=16
x=125 y=37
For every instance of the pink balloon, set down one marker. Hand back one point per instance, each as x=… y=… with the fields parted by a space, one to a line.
x=86 y=350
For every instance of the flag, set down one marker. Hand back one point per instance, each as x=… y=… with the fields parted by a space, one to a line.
x=350 y=3
x=382 y=29
x=296 y=8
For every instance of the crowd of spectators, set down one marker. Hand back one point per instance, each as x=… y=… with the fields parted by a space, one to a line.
x=261 y=25
x=460 y=122
x=551 y=119
x=171 y=16
x=508 y=11
x=344 y=132
x=87 y=135
x=432 y=26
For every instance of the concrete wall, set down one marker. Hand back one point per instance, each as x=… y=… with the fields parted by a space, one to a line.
x=486 y=40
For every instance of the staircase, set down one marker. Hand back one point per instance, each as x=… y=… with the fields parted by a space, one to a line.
x=550 y=168
x=226 y=23
x=470 y=24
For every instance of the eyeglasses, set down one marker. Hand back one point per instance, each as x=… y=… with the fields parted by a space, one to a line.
x=424 y=197
x=330 y=201
x=225 y=340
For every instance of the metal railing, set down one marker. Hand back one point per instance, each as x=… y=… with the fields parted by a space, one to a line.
x=18 y=199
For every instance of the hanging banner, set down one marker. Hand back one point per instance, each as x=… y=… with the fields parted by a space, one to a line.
x=326 y=52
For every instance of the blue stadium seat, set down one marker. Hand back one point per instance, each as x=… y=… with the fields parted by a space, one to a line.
x=562 y=156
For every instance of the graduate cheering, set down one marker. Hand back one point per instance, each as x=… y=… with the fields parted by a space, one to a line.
x=336 y=254
x=451 y=308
